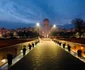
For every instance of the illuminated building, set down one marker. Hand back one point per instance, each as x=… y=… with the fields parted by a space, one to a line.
x=46 y=27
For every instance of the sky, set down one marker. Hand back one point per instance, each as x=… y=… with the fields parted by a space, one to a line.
x=25 y=13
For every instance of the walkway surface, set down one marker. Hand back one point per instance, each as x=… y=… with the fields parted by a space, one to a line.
x=48 y=56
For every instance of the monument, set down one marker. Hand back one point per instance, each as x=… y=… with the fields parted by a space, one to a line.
x=46 y=27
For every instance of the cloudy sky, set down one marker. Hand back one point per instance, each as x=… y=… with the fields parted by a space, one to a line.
x=25 y=13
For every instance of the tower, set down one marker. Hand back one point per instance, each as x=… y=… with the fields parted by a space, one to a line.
x=46 y=27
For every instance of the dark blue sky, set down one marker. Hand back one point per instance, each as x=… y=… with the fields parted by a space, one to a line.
x=25 y=13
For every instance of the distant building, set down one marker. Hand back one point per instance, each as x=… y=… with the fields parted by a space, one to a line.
x=46 y=27
x=3 y=31
x=0 y=35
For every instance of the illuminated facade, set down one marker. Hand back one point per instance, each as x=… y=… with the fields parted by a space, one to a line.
x=46 y=28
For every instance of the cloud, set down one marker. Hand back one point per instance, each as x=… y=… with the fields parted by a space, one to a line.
x=22 y=12
x=32 y=11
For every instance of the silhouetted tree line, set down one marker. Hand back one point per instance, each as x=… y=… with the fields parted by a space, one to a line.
x=28 y=34
x=8 y=35
x=63 y=34
x=22 y=34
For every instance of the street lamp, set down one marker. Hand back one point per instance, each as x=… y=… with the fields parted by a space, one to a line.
x=38 y=26
x=54 y=26
x=53 y=30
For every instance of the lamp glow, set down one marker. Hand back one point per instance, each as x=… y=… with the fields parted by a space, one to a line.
x=3 y=61
x=54 y=26
x=37 y=24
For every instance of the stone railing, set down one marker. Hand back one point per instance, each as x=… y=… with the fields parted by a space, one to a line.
x=14 y=49
x=74 y=46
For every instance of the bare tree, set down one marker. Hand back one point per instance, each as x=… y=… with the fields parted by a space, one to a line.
x=78 y=22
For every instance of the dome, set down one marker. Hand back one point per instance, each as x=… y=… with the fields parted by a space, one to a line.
x=46 y=20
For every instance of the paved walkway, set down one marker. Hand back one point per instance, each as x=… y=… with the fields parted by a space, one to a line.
x=48 y=56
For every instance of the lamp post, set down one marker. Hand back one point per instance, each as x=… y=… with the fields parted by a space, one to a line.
x=38 y=26
x=53 y=30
